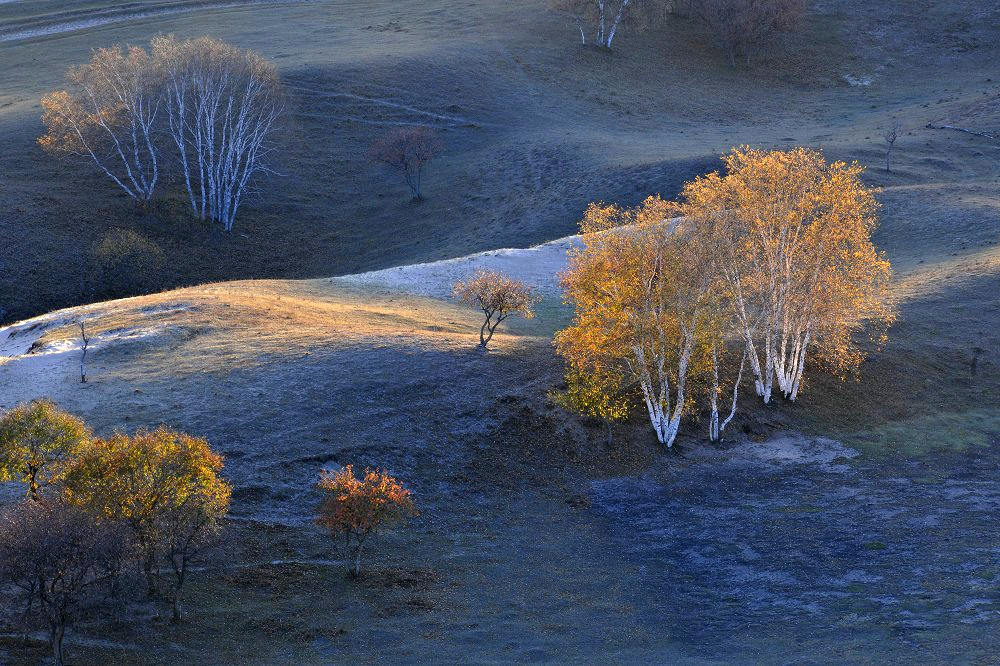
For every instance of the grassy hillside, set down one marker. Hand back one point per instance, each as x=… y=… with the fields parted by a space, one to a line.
x=535 y=127
x=536 y=543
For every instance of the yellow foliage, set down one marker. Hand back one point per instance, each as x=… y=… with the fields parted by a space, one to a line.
x=36 y=440
x=158 y=482
x=498 y=296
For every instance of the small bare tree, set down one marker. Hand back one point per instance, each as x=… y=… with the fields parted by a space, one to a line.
x=60 y=556
x=890 y=135
x=109 y=115
x=408 y=150
x=498 y=296
x=83 y=355
x=741 y=27
x=223 y=104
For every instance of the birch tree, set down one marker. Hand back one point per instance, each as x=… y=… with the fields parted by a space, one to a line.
x=223 y=104
x=109 y=115
x=791 y=242
x=603 y=19
x=639 y=293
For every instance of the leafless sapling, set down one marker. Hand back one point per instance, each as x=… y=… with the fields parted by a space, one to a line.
x=83 y=356
x=890 y=135
x=408 y=150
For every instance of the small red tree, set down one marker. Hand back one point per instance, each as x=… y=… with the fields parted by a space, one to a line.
x=498 y=296
x=408 y=150
x=358 y=508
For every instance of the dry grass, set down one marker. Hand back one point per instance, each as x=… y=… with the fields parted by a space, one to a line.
x=288 y=377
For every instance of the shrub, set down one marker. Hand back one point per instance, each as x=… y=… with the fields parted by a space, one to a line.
x=743 y=26
x=359 y=508
x=126 y=263
x=36 y=440
x=407 y=150
x=165 y=487
x=498 y=296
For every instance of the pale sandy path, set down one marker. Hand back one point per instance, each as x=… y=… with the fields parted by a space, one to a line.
x=103 y=18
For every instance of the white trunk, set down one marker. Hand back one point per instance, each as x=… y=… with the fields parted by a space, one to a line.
x=600 y=21
x=221 y=117
x=656 y=392
x=713 y=422
x=618 y=20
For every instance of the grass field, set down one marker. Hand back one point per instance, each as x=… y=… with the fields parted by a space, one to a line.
x=510 y=561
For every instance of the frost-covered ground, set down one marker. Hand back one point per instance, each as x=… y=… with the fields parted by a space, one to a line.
x=799 y=540
x=537 y=266
x=96 y=18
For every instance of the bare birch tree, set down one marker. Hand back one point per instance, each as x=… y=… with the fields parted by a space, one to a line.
x=891 y=134
x=223 y=104
x=110 y=115
x=604 y=18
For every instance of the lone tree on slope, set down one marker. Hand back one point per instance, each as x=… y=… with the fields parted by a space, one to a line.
x=358 y=508
x=407 y=150
x=498 y=296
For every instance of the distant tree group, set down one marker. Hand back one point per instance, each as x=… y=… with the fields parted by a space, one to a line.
x=740 y=27
x=217 y=104
x=407 y=150
x=358 y=508
x=602 y=19
x=498 y=297
x=771 y=263
x=155 y=499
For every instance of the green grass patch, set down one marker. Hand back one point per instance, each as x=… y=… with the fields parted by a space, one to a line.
x=950 y=431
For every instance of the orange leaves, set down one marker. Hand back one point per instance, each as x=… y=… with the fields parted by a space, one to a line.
x=361 y=506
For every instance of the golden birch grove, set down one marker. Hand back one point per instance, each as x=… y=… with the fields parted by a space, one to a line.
x=791 y=238
x=640 y=297
x=770 y=265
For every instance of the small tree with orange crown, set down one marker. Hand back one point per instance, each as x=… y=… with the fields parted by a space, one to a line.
x=358 y=508
x=498 y=296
